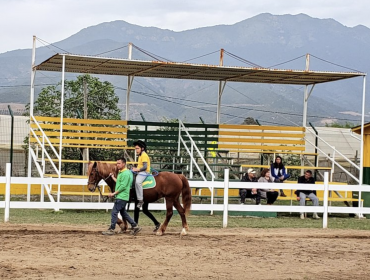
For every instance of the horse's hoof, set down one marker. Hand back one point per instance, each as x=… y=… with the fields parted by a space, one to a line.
x=183 y=232
x=159 y=233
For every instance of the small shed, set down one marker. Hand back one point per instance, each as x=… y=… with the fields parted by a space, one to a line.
x=366 y=151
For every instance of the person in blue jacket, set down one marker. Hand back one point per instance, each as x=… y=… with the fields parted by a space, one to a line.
x=278 y=172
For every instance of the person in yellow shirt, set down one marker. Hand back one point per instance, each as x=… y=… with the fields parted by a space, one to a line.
x=143 y=169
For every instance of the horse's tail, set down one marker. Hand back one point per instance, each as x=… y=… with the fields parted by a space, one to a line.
x=186 y=194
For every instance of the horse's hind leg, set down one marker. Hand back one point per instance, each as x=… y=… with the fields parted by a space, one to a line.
x=169 y=213
x=181 y=211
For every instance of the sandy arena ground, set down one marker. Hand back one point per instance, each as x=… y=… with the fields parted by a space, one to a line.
x=69 y=252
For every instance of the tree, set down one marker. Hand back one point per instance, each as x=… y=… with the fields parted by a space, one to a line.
x=249 y=121
x=101 y=104
x=339 y=125
x=101 y=101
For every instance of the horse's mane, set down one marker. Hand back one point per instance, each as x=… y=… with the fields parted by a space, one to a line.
x=104 y=168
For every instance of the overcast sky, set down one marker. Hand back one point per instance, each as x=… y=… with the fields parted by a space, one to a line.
x=54 y=20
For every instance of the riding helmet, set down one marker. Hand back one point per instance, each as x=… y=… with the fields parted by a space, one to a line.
x=141 y=144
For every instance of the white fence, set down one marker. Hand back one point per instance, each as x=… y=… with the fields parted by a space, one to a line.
x=225 y=207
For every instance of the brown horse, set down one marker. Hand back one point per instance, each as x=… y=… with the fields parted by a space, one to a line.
x=168 y=185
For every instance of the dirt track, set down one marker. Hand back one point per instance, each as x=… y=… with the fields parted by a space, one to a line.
x=69 y=252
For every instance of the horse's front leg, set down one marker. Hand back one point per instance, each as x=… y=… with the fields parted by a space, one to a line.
x=169 y=213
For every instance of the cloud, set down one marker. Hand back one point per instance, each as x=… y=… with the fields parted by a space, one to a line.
x=55 y=20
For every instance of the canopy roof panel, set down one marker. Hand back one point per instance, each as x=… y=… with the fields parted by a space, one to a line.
x=176 y=70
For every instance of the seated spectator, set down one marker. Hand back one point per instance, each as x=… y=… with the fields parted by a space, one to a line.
x=278 y=172
x=251 y=193
x=302 y=194
x=269 y=194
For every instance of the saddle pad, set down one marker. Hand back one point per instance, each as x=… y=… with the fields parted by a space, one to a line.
x=149 y=182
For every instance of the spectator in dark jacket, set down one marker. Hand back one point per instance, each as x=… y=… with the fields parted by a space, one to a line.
x=278 y=172
x=311 y=194
x=251 y=193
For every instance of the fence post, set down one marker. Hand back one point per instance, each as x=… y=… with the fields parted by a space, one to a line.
x=326 y=189
x=226 y=196
x=7 y=192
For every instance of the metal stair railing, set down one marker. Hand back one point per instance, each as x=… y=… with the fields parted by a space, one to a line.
x=191 y=152
x=43 y=144
x=332 y=158
x=41 y=170
x=192 y=159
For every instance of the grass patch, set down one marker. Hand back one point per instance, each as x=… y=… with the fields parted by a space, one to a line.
x=102 y=217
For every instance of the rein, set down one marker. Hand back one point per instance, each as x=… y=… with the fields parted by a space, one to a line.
x=105 y=198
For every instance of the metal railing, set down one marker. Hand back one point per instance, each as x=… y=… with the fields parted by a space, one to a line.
x=41 y=170
x=193 y=160
x=43 y=146
x=332 y=158
x=193 y=147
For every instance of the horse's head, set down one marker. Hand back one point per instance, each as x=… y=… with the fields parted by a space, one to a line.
x=93 y=176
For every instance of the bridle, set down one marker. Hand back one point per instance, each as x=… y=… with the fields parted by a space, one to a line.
x=95 y=182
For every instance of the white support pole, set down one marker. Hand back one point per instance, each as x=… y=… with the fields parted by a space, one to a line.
x=307 y=62
x=130 y=79
x=85 y=152
x=304 y=121
x=221 y=87
x=305 y=101
x=332 y=165
x=7 y=192
x=326 y=190
x=129 y=50
x=42 y=191
x=361 y=177
x=212 y=197
x=226 y=197
x=32 y=93
x=305 y=95
x=61 y=127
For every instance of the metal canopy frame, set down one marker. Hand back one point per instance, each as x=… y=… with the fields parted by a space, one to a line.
x=187 y=71
x=176 y=70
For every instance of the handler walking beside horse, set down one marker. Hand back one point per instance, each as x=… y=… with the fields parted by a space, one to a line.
x=122 y=195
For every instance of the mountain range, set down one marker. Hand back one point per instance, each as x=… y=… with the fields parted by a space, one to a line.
x=277 y=41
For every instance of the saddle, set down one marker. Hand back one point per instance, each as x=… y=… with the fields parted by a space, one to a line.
x=148 y=183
